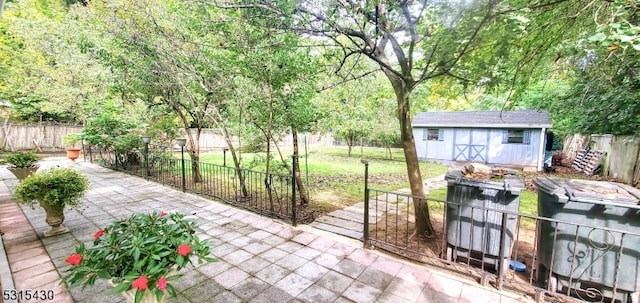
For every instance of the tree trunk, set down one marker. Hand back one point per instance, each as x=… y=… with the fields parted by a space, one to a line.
x=349 y=146
x=194 y=154
x=296 y=169
x=424 y=228
x=267 y=179
x=236 y=161
x=193 y=145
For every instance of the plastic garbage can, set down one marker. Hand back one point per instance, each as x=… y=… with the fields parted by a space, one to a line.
x=591 y=244
x=474 y=215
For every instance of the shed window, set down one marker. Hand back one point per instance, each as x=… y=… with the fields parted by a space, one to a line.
x=516 y=136
x=433 y=134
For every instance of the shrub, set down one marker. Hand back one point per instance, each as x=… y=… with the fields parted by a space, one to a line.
x=55 y=187
x=22 y=159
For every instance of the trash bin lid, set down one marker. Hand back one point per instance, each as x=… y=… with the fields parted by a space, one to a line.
x=597 y=192
x=511 y=183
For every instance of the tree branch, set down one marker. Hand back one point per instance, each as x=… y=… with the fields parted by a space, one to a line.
x=349 y=79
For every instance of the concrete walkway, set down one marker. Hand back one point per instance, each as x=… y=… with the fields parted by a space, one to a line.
x=349 y=221
x=259 y=259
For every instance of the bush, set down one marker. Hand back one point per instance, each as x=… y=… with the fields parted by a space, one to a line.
x=22 y=159
x=56 y=187
x=142 y=253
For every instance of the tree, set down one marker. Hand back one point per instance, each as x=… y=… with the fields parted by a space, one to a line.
x=600 y=87
x=412 y=42
x=282 y=72
x=166 y=55
x=45 y=71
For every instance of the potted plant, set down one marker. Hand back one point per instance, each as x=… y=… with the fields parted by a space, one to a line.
x=22 y=164
x=140 y=255
x=71 y=141
x=54 y=189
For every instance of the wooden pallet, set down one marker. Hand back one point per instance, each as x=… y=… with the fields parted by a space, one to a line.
x=588 y=161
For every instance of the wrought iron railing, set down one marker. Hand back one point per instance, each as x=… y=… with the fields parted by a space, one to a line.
x=544 y=258
x=271 y=195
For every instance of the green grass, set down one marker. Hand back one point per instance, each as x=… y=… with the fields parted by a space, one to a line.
x=337 y=180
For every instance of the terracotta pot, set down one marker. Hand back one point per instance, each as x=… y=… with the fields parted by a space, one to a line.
x=23 y=173
x=55 y=217
x=73 y=154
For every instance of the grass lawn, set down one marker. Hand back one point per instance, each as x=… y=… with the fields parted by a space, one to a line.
x=337 y=180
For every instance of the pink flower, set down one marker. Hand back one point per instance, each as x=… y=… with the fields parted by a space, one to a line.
x=162 y=214
x=74 y=259
x=184 y=249
x=98 y=234
x=140 y=283
x=162 y=283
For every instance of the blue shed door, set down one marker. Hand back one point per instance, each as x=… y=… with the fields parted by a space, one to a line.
x=471 y=145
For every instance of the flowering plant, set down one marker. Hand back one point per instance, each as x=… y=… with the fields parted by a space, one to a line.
x=141 y=253
x=22 y=159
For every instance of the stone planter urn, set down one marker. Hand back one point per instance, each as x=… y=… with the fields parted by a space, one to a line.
x=55 y=217
x=55 y=189
x=22 y=173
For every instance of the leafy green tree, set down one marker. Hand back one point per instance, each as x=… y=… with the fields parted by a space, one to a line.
x=44 y=72
x=165 y=54
x=281 y=72
x=495 y=43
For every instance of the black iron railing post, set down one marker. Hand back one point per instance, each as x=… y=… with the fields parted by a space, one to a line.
x=293 y=190
x=365 y=232
x=146 y=141
x=184 y=182
x=503 y=264
x=224 y=156
x=182 y=142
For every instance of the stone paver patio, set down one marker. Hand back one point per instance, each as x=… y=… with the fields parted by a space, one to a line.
x=259 y=259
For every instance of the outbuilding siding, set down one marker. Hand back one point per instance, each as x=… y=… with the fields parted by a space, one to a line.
x=483 y=136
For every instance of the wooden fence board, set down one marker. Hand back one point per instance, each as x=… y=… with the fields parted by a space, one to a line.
x=48 y=137
x=621 y=161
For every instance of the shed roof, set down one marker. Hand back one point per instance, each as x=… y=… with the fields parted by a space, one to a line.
x=486 y=119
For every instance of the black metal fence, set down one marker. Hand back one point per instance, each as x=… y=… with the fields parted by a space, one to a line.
x=547 y=259
x=271 y=195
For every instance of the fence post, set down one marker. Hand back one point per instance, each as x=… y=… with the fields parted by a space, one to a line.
x=182 y=142
x=293 y=191
x=503 y=265
x=365 y=232
x=146 y=140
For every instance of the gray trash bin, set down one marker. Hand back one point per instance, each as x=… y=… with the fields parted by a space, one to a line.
x=475 y=218
x=582 y=249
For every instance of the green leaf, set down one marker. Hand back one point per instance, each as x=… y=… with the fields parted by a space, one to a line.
x=171 y=290
x=121 y=287
x=598 y=37
x=104 y=274
x=158 y=293
x=139 y=295
x=174 y=277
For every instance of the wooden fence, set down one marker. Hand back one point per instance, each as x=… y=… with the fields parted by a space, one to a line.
x=48 y=137
x=622 y=159
x=210 y=139
x=39 y=137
